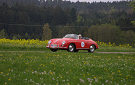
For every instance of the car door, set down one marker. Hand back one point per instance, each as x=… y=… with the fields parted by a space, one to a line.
x=81 y=44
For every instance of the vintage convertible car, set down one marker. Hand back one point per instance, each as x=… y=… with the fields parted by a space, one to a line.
x=72 y=43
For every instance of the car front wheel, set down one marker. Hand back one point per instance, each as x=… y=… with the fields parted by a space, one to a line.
x=71 y=48
x=91 y=49
x=53 y=50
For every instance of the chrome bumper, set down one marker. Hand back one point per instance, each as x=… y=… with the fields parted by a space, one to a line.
x=55 y=46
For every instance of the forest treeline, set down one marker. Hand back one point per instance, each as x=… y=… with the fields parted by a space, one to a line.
x=102 y=21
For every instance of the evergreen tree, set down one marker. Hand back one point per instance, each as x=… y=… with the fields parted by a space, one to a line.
x=47 y=33
x=3 y=34
x=26 y=36
x=133 y=4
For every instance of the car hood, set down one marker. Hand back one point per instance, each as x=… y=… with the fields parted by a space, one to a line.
x=59 y=40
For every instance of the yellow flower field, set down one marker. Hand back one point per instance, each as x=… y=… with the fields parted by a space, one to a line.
x=31 y=44
x=38 y=43
x=23 y=43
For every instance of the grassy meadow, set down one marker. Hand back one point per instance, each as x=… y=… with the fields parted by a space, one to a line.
x=64 y=68
x=28 y=62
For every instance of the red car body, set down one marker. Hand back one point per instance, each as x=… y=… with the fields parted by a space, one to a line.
x=79 y=44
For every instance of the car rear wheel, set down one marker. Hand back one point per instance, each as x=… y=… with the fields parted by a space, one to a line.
x=91 y=48
x=71 y=48
x=53 y=50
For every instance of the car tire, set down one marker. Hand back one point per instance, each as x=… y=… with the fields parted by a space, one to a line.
x=53 y=50
x=71 y=48
x=91 y=48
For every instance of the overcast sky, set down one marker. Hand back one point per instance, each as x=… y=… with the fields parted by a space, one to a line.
x=95 y=0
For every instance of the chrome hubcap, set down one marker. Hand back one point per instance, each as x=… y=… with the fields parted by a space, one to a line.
x=71 y=48
x=92 y=48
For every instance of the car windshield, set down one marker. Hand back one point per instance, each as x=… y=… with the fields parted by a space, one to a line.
x=73 y=36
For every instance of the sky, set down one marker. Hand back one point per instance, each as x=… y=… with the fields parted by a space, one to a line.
x=96 y=0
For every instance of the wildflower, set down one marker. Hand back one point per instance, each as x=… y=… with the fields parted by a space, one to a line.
x=96 y=80
x=9 y=69
x=83 y=75
x=53 y=78
x=25 y=79
x=119 y=71
x=118 y=56
x=5 y=83
x=68 y=84
x=90 y=80
x=1 y=72
x=88 y=74
x=9 y=79
x=120 y=74
x=51 y=73
x=37 y=84
x=63 y=80
x=7 y=74
x=81 y=80
x=106 y=81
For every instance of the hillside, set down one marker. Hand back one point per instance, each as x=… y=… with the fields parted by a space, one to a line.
x=25 y=18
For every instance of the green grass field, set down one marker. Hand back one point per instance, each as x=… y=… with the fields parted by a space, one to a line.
x=65 y=68
x=101 y=49
x=115 y=49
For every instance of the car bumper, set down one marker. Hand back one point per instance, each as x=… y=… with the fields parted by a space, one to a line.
x=54 y=46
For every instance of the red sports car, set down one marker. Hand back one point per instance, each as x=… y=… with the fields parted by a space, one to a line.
x=72 y=43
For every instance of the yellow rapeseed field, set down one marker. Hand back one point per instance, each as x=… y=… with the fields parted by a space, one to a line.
x=103 y=44
x=23 y=43
x=38 y=43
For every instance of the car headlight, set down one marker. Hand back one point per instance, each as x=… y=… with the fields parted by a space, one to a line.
x=49 y=42
x=63 y=42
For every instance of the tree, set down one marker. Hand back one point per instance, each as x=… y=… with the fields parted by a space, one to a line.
x=47 y=33
x=26 y=36
x=104 y=32
x=3 y=34
x=63 y=30
x=130 y=36
x=133 y=4
x=133 y=23
x=80 y=20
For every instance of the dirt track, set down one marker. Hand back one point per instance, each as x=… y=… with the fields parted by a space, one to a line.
x=117 y=52
x=95 y=52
